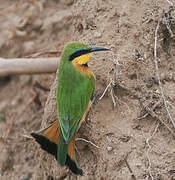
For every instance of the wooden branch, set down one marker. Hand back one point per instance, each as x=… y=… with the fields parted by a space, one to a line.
x=28 y=66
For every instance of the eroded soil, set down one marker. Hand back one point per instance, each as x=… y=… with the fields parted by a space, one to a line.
x=128 y=28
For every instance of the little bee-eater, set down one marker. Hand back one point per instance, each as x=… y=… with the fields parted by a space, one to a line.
x=76 y=83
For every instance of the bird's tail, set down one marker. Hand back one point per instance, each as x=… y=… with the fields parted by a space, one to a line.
x=52 y=141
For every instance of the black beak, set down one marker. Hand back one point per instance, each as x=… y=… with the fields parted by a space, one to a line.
x=98 y=49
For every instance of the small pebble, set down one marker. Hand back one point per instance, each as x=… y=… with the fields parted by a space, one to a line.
x=125 y=138
x=90 y=24
x=29 y=46
x=26 y=176
x=149 y=82
x=139 y=164
x=109 y=148
x=168 y=77
x=97 y=34
x=136 y=126
x=132 y=76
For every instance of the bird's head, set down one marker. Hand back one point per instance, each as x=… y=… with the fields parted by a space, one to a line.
x=79 y=53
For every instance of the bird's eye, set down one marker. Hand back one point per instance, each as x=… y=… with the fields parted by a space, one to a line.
x=78 y=53
x=77 y=50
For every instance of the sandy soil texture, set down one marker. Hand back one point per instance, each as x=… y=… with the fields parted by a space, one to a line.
x=128 y=124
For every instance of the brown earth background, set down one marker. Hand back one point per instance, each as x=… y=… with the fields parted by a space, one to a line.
x=128 y=28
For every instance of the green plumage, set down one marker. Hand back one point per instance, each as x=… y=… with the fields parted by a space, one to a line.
x=75 y=88
x=62 y=147
x=74 y=91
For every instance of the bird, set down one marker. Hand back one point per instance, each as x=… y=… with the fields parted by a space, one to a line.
x=75 y=88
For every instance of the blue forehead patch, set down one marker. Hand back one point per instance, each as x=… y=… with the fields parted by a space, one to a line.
x=81 y=49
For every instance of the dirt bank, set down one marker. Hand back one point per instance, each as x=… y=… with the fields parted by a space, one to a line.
x=128 y=28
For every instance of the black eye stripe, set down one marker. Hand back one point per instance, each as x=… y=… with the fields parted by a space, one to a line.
x=78 y=53
x=83 y=51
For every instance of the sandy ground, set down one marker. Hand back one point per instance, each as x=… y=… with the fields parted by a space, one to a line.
x=128 y=28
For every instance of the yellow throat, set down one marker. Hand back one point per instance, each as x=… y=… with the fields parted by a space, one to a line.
x=82 y=59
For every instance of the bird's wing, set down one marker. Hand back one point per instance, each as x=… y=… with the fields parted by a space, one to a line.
x=74 y=91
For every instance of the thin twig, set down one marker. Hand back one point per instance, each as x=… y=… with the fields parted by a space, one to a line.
x=149 y=150
x=142 y=117
x=38 y=85
x=26 y=136
x=148 y=109
x=3 y=142
x=171 y=104
x=112 y=82
x=113 y=79
x=113 y=98
x=105 y=90
x=130 y=170
x=82 y=139
x=154 y=115
x=122 y=102
x=167 y=20
x=158 y=77
x=170 y=3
